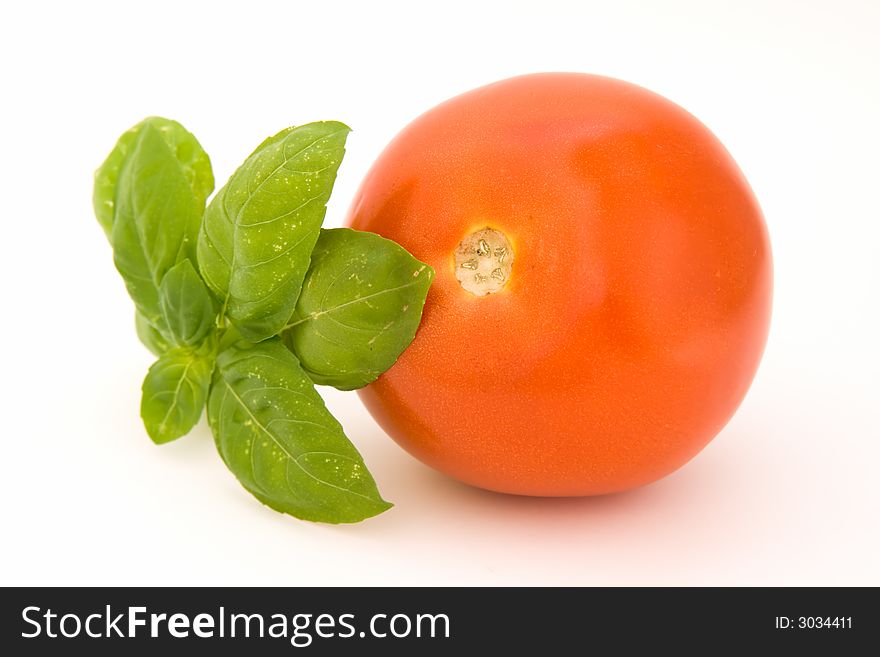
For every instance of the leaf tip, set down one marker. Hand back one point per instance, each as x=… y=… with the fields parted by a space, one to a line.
x=158 y=433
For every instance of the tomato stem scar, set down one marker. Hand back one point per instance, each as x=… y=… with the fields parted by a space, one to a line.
x=483 y=261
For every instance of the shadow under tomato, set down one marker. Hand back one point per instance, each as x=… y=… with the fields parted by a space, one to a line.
x=436 y=484
x=423 y=497
x=704 y=496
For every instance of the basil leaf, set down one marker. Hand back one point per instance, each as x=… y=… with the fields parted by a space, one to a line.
x=193 y=161
x=174 y=393
x=187 y=305
x=277 y=437
x=149 y=335
x=156 y=220
x=259 y=230
x=359 y=308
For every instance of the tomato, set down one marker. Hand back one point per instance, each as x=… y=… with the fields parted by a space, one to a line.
x=603 y=285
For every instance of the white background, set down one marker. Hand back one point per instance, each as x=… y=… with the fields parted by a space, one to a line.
x=786 y=494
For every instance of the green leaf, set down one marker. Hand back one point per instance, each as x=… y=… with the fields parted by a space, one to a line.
x=174 y=393
x=359 y=308
x=193 y=161
x=276 y=436
x=150 y=336
x=156 y=220
x=260 y=228
x=187 y=305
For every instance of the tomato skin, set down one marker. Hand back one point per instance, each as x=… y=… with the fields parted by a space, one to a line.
x=638 y=304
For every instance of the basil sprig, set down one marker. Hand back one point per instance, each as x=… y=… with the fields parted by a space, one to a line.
x=248 y=302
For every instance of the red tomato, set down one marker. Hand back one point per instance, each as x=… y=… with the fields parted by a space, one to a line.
x=623 y=327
